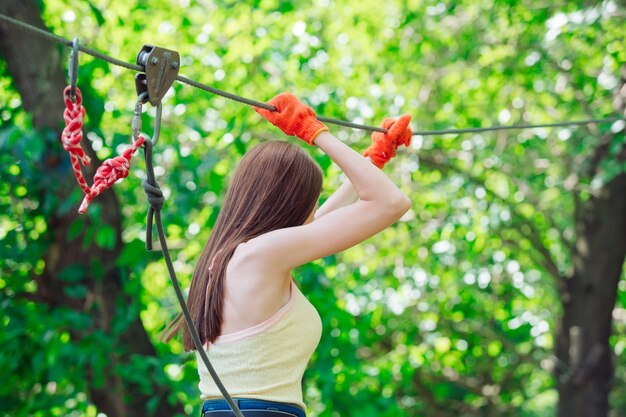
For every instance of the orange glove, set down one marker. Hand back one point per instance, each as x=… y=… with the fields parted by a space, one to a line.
x=384 y=145
x=293 y=117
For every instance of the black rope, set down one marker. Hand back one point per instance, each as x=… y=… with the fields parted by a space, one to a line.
x=156 y=200
x=452 y=131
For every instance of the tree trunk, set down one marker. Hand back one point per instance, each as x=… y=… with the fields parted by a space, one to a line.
x=36 y=68
x=586 y=360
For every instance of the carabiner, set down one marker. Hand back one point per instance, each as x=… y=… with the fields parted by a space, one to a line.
x=157 y=123
x=136 y=122
x=73 y=68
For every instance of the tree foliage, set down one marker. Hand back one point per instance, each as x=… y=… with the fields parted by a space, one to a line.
x=450 y=312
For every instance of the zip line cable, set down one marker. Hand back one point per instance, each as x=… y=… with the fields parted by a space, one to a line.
x=452 y=131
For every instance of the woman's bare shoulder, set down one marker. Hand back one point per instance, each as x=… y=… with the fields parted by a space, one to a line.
x=249 y=270
x=252 y=294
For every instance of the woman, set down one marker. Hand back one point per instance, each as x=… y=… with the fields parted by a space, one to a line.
x=258 y=328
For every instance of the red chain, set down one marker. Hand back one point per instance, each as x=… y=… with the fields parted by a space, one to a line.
x=111 y=170
x=73 y=133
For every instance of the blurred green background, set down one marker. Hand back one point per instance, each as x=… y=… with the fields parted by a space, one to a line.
x=501 y=293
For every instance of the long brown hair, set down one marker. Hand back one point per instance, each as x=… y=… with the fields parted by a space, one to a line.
x=275 y=186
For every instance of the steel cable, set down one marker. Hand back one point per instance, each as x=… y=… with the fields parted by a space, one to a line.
x=231 y=96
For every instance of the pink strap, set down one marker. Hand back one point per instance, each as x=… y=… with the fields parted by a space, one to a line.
x=213 y=260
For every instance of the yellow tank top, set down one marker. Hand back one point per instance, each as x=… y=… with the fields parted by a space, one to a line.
x=266 y=361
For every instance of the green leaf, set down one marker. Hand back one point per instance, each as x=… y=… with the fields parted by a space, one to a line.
x=76 y=228
x=106 y=237
x=75 y=291
x=73 y=273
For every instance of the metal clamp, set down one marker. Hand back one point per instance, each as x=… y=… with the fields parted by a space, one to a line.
x=72 y=69
x=161 y=68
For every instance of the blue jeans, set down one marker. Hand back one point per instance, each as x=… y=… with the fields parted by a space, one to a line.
x=248 y=403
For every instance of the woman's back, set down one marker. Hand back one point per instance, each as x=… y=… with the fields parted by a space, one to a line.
x=266 y=361
x=251 y=295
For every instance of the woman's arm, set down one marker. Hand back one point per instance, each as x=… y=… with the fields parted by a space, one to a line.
x=369 y=182
x=380 y=204
x=382 y=149
x=344 y=195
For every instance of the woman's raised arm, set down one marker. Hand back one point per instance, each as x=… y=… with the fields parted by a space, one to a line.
x=380 y=204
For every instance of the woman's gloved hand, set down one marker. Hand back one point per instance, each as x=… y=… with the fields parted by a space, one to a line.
x=384 y=145
x=293 y=117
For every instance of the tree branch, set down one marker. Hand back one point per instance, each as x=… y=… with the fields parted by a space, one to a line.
x=526 y=227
